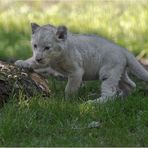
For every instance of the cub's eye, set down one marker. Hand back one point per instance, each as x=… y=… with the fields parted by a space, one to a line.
x=35 y=46
x=47 y=48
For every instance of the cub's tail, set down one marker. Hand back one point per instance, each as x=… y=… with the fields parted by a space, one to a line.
x=136 y=68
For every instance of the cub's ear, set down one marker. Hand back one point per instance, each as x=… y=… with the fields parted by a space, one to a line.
x=61 y=33
x=34 y=26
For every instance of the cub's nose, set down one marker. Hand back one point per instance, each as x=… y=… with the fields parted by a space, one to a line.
x=38 y=60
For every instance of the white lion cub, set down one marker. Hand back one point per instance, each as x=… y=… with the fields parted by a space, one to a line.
x=85 y=57
x=33 y=62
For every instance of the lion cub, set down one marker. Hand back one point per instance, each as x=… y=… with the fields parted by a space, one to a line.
x=84 y=57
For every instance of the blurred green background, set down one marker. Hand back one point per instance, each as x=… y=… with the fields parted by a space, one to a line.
x=122 y=21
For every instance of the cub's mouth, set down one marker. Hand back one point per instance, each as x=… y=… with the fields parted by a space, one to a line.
x=41 y=62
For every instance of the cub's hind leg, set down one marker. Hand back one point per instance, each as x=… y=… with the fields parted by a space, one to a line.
x=126 y=85
x=110 y=77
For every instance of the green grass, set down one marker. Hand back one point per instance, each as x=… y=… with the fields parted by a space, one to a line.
x=55 y=121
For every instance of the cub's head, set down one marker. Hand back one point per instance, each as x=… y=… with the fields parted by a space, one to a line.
x=48 y=42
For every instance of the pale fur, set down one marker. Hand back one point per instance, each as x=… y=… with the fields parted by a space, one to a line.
x=31 y=63
x=84 y=57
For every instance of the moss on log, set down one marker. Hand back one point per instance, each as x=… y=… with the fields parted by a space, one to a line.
x=14 y=80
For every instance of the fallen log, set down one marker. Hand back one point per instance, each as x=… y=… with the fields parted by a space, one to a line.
x=14 y=80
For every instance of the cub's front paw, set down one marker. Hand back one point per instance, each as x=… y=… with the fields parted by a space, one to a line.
x=22 y=64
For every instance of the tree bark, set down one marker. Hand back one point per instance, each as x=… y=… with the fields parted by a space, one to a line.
x=14 y=80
